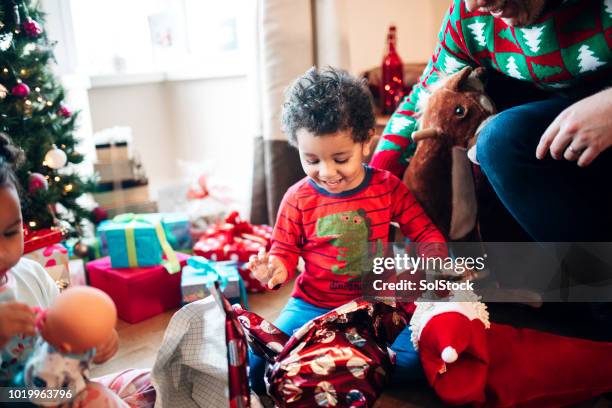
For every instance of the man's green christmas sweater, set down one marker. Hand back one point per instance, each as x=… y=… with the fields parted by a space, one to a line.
x=566 y=48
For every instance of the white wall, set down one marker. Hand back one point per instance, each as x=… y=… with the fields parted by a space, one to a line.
x=199 y=120
x=211 y=119
x=363 y=25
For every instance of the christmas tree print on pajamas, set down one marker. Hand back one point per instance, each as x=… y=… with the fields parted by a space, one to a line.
x=566 y=48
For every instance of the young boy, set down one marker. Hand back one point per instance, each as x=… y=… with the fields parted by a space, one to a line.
x=329 y=217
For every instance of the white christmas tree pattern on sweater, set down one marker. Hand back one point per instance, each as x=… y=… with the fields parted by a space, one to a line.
x=532 y=37
x=477 y=28
x=399 y=123
x=513 y=69
x=451 y=64
x=608 y=4
x=587 y=60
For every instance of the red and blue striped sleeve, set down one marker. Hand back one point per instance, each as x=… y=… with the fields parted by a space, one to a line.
x=287 y=237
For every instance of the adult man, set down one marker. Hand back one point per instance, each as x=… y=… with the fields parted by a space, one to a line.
x=548 y=161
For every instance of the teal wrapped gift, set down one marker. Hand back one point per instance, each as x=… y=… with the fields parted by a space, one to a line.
x=137 y=241
x=177 y=230
x=200 y=274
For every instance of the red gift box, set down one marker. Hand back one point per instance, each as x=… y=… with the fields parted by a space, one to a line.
x=33 y=240
x=235 y=240
x=138 y=293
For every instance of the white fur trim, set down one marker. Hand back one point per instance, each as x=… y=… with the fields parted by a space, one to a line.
x=466 y=303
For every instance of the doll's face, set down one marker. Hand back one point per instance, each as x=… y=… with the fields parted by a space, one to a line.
x=11 y=231
x=81 y=318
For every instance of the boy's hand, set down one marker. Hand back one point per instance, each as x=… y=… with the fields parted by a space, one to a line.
x=16 y=318
x=107 y=350
x=269 y=270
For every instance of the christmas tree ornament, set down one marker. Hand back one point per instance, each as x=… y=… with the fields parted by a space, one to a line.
x=32 y=28
x=81 y=250
x=99 y=214
x=6 y=40
x=64 y=111
x=55 y=158
x=3 y=91
x=37 y=182
x=21 y=90
x=16 y=17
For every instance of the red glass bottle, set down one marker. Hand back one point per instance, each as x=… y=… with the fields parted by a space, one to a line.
x=392 y=84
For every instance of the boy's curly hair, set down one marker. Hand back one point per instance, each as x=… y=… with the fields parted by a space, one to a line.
x=328 y=101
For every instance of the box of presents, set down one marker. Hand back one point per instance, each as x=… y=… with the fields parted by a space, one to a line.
x=139 y=293
x=201 y=273
x=140 y=240
x=235 y=240
x=116 y=232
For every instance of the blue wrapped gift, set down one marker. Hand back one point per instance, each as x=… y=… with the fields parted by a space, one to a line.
x=200 y=274
x=177 y=230
x=138 y=240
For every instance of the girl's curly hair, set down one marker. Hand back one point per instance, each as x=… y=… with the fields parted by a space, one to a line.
x=11 y=157
x=328 y=101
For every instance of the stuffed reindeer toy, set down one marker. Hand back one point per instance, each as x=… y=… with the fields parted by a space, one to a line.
x=440 y=173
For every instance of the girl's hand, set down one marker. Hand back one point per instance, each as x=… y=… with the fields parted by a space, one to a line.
x=269 y=270
x=581 y=132
x=16 y=318
x=108 y=350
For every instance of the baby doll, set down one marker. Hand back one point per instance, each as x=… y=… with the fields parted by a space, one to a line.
x=81 y=319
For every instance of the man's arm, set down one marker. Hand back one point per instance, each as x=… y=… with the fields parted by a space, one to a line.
x=450 y=55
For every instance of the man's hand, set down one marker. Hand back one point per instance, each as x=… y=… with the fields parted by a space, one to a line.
x=16 y=318
x=106 y=351
x=581 y=132
x=269 y=270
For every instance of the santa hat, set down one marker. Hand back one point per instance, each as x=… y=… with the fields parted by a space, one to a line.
x=451 y=339
x=467 y=360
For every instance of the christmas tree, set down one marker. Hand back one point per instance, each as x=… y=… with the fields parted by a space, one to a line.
x=33 y=114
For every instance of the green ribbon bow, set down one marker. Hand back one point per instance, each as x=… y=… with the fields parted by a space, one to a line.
x=171 y=264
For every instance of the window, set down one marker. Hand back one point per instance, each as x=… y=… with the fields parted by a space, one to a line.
x=179 y=38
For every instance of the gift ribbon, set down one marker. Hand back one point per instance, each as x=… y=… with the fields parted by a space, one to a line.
x=171 y=264
x=203 y=190
x=205 y=268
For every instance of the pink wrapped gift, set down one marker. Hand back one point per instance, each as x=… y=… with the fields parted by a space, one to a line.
x=54 y=258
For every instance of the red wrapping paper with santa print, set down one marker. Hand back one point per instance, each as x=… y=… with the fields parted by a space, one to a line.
x=340 y=359
x=235 y=240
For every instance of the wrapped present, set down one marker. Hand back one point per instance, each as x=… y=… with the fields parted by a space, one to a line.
x=235 y=240
x=200 y=274
x=77 y=272
x=237 y=356
x=340 y=359
x=33 y=240
x=54 y=258
x=177 y=230
x=138 y=240
x=139 y=293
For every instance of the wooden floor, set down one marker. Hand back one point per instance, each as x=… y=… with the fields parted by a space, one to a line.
x=138 y=343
